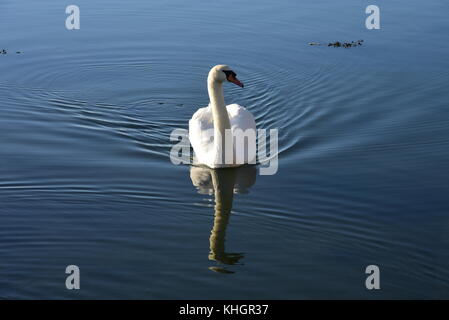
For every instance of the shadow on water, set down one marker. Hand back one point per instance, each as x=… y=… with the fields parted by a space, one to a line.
x=223 y=183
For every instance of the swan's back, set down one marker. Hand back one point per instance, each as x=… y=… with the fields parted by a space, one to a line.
x=202 y=122
x=240 y=117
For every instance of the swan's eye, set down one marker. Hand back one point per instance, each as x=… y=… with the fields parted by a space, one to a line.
x=230 y=74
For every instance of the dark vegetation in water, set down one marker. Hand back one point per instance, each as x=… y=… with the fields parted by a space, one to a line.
x=3 y=51
x=339 y=44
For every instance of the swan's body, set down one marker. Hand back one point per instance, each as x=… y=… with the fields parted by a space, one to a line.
x=216 y=121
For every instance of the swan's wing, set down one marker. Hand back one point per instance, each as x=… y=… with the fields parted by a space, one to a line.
x=240 y=117
x=201 y=122
x=201 y=130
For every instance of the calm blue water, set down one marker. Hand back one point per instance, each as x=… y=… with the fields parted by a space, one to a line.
x=86 y=179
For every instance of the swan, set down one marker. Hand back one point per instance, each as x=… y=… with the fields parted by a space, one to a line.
x=210 y=126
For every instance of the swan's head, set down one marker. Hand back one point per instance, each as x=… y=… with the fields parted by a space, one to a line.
x=222 y=73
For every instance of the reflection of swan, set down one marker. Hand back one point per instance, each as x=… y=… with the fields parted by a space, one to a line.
x=223 y=183
x=207 y=126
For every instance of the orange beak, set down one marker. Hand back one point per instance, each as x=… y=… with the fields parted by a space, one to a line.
x=235 y=80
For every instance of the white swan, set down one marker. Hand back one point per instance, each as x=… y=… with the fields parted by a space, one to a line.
x=216 y=121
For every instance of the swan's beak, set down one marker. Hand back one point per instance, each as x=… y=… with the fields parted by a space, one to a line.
x=236 y=81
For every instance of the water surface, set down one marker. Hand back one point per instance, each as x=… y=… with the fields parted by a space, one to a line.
x=86 y=179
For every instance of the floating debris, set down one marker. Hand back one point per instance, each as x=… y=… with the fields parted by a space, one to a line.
x=339 y=44
x=346 y=44
x=220 y=270
x=3 y=51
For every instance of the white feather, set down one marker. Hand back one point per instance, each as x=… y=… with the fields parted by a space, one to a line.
x=203 y=121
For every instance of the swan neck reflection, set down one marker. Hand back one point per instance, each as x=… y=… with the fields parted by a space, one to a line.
x=223 y=181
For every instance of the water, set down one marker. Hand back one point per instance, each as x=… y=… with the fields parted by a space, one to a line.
x=86 y=179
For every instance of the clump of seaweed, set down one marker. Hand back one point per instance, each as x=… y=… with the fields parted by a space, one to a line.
x=339 y=44
x=3 y=51
x=346 y=44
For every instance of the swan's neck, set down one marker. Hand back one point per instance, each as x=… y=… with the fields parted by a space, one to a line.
x=219 y=112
